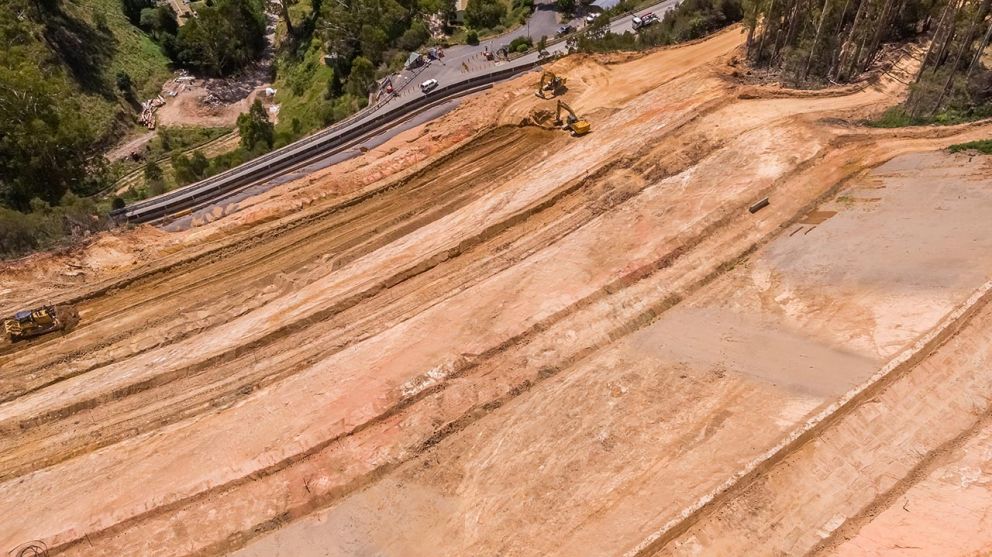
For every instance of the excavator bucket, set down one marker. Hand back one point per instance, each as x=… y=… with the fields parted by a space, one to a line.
x=576 y=125
x=550 y=82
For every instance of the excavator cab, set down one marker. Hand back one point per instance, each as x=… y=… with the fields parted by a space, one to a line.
x=550 y=82
x=576 y=125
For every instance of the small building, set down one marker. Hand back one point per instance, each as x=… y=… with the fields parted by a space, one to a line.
x=414 y=60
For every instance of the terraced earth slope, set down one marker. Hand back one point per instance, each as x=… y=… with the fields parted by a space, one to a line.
x=488 y=337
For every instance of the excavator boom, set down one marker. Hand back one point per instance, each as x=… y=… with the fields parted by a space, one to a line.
x=550 y=82
x=574 y=123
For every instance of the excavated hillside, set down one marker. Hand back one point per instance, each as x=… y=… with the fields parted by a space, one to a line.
x=489 y=337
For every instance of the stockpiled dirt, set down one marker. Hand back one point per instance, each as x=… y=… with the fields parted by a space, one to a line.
x=488 y=337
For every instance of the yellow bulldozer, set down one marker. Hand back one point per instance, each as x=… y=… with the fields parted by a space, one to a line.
x=39 y=321
x=578 y=126
x=555 y=84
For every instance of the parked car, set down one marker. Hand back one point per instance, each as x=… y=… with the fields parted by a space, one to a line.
x=593 y=17
x=428 y=86
x=564 y=30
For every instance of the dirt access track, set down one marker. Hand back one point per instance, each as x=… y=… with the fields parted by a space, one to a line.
x=490 y=338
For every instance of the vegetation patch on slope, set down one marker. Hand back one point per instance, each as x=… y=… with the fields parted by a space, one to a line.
x=983 y=146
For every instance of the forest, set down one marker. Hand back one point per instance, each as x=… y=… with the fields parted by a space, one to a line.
x=834 y=41
x=72 y=73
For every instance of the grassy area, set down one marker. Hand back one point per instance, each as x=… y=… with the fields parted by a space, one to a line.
x=112 y=46
x=178 y=139
x=302 y=86
x=983 y=146
x=46 y=227
x=167 y=142
x=898 y=117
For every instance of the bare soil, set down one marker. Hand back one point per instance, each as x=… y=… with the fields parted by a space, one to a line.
x=486 y=337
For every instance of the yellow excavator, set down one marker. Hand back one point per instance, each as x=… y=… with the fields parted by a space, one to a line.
x=577 y=125
x=38 y=321
x=550 y=82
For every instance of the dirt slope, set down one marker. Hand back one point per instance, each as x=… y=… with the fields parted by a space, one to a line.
x=489 y=338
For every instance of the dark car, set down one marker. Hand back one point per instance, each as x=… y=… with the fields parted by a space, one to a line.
x=564 y=30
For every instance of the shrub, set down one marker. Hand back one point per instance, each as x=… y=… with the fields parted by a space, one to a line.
x=361 y=77
x=255 y=127
x=517 y=43
x=982 y=146
x=412 y=38
x=472 y=38
x=18 y=233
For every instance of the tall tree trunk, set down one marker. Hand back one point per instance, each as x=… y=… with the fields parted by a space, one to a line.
x=750 y=30
x=936 y=34
x=788 y=11
x=846 y=45
x=764 y=31
x=949 y=36
x=876 y=41
x=790 y=35
x=965 y=45
x=816 y=38
x=836 y=51
x=978 y=53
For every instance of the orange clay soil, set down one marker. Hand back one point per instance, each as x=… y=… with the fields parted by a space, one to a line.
x=487 y=337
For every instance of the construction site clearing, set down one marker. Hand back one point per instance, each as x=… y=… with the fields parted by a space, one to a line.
x=490 y=337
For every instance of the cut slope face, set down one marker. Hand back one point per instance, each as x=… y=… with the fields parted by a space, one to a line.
x=535 y=344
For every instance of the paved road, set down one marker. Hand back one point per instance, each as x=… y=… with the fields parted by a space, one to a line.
x=462 y=61
x=459 y=65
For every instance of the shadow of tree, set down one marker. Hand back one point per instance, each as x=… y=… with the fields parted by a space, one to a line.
x=84 y=49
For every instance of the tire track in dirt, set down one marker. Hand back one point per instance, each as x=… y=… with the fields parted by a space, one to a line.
x=349 y=327
x=641 y=319
x=920 y=472
x=181 y=275
x=282 y=258
x=896 y=368
x=577 y=200
x=402 y=274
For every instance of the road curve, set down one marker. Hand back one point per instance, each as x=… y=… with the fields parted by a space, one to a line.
x=342 y=135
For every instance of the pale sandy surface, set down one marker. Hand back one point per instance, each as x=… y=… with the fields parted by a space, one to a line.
x=486 y=337
x=947 y=512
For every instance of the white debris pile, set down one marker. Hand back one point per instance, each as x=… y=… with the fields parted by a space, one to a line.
x=148 y=108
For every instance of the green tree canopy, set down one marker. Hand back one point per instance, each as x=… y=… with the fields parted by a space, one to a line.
x=255 y=127
x=362 y=76
x=482 y=14
x=132 y=9
x=44 y=140
x=223 y=38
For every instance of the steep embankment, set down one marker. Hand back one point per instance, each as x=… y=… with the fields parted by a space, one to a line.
x=525 y=344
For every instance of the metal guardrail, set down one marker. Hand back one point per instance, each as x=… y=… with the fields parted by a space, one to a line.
x=269 y=164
